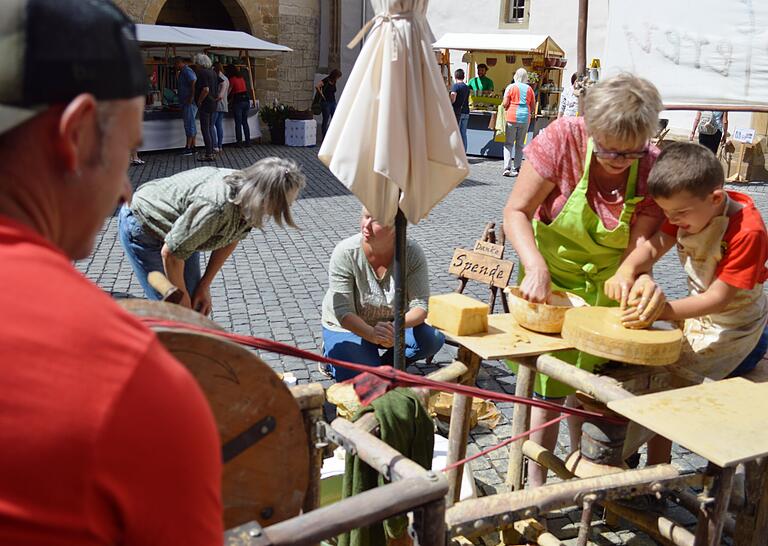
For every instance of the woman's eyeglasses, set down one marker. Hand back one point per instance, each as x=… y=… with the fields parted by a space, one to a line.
x=634 y=154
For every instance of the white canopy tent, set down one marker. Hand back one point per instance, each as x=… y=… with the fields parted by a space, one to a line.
x=500 y=42
x=204 y=38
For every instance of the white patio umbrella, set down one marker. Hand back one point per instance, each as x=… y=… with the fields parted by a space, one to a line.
x=394 y=140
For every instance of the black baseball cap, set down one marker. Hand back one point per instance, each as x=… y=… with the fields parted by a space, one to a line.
x=54 y=50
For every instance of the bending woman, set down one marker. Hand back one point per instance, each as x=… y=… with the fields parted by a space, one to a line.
x=578 y=207
x=171 y=220
x=358 y=308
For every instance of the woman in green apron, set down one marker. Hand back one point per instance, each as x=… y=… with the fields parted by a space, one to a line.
x=577 y=207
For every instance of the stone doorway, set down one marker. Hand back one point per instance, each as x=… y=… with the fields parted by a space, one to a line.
x=215 y=14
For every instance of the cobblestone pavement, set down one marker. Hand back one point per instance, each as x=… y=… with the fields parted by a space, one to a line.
x=274 y=284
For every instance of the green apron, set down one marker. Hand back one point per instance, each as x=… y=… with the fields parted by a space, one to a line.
x=581 y=254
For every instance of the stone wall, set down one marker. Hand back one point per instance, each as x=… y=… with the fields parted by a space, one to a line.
x=299 y=30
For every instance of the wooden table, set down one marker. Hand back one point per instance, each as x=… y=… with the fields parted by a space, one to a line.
x=505 y=339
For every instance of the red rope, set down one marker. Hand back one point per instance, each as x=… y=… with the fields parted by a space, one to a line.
x=504 y=443
x=386 y=376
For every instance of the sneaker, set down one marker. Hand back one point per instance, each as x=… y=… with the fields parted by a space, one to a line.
x=506 y=172
x=325 y=369
x=216 y=150
x=203 y=157
x=188 y=151
x=514 y=172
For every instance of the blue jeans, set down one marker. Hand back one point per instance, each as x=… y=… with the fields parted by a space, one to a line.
x=749 y=363
x=328 y=109
x=143 y=251
x=218 y=125
x=463 y=120
x=188 y=113
x=240 y=111
x=421 y=342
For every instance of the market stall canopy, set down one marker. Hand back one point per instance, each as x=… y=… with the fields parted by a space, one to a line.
x=394 y=128
x=161 y=35
x=691 y=60
x=502 y=42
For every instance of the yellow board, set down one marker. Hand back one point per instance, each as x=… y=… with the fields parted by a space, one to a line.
x=507 y=339
x=458 y=314
x=722 y=421
x=598 y=331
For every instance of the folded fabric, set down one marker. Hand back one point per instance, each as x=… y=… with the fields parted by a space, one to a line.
x=407 y=427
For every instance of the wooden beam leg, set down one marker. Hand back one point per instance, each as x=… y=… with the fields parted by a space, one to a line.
x=430 y=523
x=521 y=421
x=460 y=421
x=586 y=520
x=752 y=519
x=709 y=529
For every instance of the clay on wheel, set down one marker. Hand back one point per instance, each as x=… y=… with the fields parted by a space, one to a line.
x=598 y=331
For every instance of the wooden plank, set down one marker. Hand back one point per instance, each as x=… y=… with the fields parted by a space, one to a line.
x=479 y=267
x=721 y=421
x=489 y=249
x=505 y=338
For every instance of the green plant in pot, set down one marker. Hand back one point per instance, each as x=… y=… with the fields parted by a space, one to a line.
x=274 y=116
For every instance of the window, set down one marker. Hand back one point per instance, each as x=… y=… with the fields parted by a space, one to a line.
x=514 y=13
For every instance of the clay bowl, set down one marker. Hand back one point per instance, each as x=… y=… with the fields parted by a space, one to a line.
x=547 y=317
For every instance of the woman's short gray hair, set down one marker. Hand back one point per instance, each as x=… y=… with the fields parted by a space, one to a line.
x=203 y=60
x=266 y=188
x=624 y=107
x=521 y=75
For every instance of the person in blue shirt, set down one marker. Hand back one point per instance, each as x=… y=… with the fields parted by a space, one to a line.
x=460 y=100
x=186 y=89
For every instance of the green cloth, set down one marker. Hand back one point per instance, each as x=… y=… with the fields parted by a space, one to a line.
x=481 y=84
x=190 y=211
x=581 y=254
x=406 y=426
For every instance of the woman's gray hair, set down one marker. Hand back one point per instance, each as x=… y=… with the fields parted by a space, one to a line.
x=624 y=107
x=521 y=75
x=203 y=60
x=266 y=188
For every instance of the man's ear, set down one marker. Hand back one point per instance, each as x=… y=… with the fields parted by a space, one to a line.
x=77 y=133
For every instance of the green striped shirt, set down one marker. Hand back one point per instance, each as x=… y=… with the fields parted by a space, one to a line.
x=190 y=211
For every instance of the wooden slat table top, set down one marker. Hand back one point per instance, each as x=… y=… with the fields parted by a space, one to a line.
x=507 y=339
x=722 y=421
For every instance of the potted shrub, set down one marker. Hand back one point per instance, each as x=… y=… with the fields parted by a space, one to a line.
x=274 y=116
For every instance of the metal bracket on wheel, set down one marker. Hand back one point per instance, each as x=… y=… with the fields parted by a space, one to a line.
x=326 y=433
x=247 y=438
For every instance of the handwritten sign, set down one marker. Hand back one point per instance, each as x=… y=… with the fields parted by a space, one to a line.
x=746 y=136
x=480 y=267
x=489 y=249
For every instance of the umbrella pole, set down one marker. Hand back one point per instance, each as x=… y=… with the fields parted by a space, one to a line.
x=400 y=303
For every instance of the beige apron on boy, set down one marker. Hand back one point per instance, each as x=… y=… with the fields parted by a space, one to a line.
x=716 y=344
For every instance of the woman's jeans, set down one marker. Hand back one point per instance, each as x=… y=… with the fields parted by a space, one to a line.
x=421 y=342
x=752 y=359
x=240 y=111
x=218 y=124
x=206 y=127
x=143 y=251
x=513 y=143
x=328 y=109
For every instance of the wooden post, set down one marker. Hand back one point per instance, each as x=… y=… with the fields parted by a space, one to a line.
x=521 y=420
x=752 y=519
x=310 y=399
x=709 y=529
x=460 y=421
x=430 y=523
x=253 y=78
x=581 y=43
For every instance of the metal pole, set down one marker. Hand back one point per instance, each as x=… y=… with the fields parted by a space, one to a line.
x=400 y=303
x=581 y=52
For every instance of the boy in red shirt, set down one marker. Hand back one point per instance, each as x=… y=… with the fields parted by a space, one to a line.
x=723 y=246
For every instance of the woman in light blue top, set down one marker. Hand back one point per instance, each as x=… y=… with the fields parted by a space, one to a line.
x=518 y=105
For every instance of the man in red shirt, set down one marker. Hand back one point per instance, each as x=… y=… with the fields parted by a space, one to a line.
x=105 y=438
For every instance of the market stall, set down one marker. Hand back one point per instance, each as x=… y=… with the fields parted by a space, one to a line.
x=504 y=54
x=163 y=127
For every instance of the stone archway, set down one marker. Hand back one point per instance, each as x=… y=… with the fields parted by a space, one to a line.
x=215 y=14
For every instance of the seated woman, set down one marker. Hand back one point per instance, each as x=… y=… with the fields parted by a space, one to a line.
x=358 y=308
x=171 y=220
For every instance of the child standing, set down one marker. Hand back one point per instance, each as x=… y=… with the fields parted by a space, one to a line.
x=723 y=246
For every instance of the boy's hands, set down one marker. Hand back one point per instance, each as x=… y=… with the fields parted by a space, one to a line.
x=645 y=303
x=618 y=287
